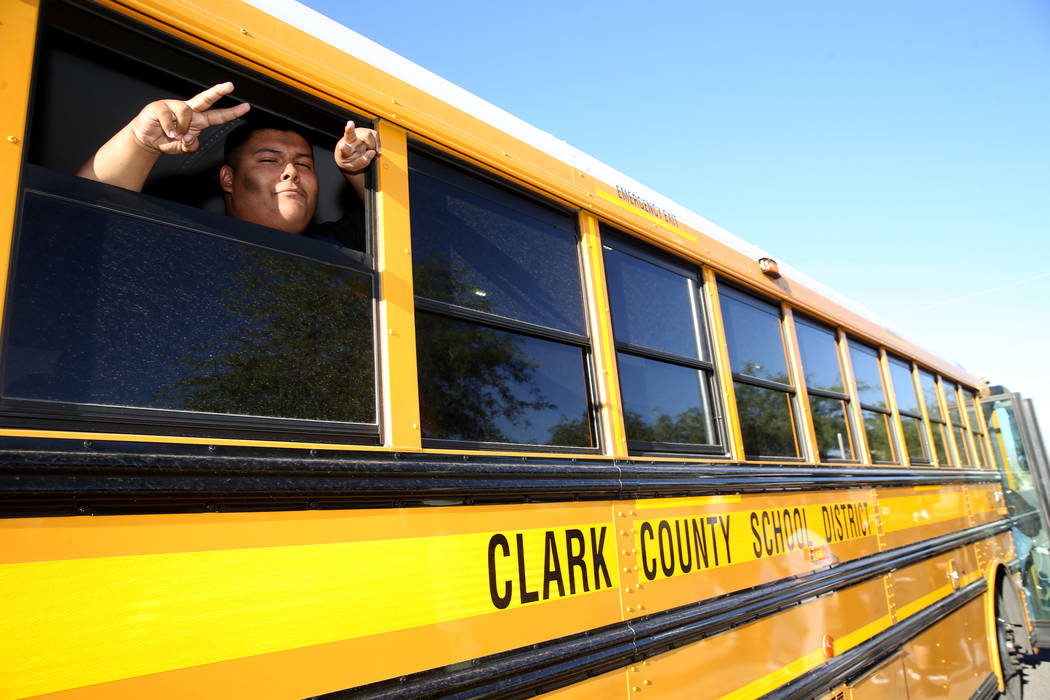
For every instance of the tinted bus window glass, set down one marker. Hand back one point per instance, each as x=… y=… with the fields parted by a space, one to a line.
x=764 y=393
x=487 y=249
x=929 y=395
x=767 y=422
x=636 y=289
x=117 y=310
x=877 y=429
x=828 y=401
x=820 y=360
x=904 y=388
x=487 y=385
x=663 y=402
x=867 y=375
x=830 y=423
x=754 y=340
x=502 y=354
x=666 y=378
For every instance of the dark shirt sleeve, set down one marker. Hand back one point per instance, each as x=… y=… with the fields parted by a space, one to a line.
x=348 y=231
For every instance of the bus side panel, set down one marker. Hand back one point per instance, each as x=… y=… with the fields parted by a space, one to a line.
x=760 y=656
x=918 y=586
x=888 y=681
x=291 y=604
x=949 y=660
x=913 y=514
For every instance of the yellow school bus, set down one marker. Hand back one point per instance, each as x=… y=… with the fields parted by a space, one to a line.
x=544 y=432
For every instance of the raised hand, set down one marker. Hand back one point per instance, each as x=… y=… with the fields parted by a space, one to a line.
x=356 y=149
x=172 y=126
x=164 y=126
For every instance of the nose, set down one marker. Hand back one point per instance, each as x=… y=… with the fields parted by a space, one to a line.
x=289 y=172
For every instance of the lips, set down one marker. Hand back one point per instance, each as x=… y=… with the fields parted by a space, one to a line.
x=292 y=191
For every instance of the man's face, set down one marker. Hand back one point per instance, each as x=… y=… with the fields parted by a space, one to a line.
x=273 y=182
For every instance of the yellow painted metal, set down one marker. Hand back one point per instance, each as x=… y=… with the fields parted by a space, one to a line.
x=17 y=35
x=808 y=445
x=723 y=368
x=599 y=322
x=856 y=416
x=396 y=322
x=97 y=600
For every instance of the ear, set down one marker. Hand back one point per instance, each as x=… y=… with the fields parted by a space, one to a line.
x=226 y=179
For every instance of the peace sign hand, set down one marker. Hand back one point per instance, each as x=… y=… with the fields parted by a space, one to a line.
x=172 y=126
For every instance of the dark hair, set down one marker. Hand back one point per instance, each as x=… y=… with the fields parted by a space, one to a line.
x=251 y=123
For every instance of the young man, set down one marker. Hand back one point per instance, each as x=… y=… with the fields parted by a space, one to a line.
x=269 y=175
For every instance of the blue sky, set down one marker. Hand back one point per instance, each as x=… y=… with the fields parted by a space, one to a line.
x=898 y=152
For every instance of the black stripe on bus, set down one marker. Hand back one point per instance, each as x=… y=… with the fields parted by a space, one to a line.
x=550 y=665
x=99 y=479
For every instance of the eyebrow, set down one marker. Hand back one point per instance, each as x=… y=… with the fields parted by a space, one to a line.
x=278 y=151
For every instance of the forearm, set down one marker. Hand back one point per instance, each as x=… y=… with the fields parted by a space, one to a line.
x=122 y=161
x=357 y=181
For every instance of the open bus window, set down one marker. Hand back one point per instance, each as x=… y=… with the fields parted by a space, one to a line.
x=503 y=351
x=662 y=351
x=154 y=308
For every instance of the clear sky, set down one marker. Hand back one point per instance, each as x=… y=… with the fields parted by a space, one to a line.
x=898 y=152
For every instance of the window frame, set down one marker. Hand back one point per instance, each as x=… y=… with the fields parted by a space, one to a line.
x=727 y=289
x=462 y=168
x=622 y=242
x=72 y=26
x=937 y=425
x=887 y=411
x=844 y=396
x=924 y=440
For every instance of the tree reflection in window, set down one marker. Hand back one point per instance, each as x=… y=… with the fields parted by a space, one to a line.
x=500 y=339
x=304 y=349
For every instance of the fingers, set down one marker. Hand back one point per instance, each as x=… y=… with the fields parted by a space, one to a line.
x=228 y=114
x=206 y=99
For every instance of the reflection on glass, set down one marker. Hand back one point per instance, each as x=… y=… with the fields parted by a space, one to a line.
x=904 y=388
x=914 y=445
x=929 y=395
x=663 y=402
x=651 y=306
x=476 y=252
x=877 y=429
x=830 y=424
x=1031 y=539
x=965 y=451
x=114 y=310
x=486 y=385
x=866 y=373
x=819 y=358
x=766 y=421
x=753 y=338
x=940 y=442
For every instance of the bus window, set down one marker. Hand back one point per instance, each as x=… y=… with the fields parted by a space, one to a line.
x=664 y=361
x=764 y=392
x=938 y=425
x=127 y=309
x=962 y=437
x=910 y=411
x=503 y=355
x=973 y=413
x=875 y=409
x=828 y=400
